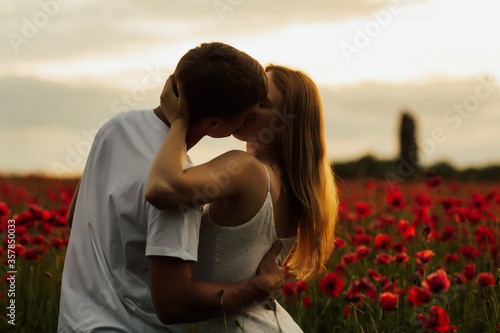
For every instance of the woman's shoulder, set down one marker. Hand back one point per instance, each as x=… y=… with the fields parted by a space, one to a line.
x=239 y=159
x=243 y=165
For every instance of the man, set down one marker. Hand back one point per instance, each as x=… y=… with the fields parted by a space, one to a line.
x=124 y=255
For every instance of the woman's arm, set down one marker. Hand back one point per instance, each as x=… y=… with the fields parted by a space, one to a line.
x=227 y=175
x=178 y=298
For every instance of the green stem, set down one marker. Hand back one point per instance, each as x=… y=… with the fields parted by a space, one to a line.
x=223 y=311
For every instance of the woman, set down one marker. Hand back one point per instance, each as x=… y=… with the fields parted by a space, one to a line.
x=282 y=187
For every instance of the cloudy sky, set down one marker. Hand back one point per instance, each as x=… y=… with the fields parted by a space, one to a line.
x=69 y=65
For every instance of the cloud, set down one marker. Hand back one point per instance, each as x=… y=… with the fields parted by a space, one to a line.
x=29 y=101
x=73 y=29
x=369 y=114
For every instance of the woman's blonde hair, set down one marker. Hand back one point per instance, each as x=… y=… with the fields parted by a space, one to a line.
x=306 y=173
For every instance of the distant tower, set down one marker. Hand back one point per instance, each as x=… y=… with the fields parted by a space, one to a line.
x=408 y=144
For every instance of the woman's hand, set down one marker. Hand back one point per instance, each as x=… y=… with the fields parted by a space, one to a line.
x=271 y=275
x=173 y=107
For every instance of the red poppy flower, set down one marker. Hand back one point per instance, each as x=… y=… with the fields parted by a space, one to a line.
x=38 y=240
x=448 y=233
x=383 y=258
x=339 y=243
x=438 y=321
x=352 y=297
x=399 y=247
x=470 y=252
x=470 y=271
x=424 y=256
x=423 y=199
x=474 y=216
x=449 y=205
x=349 y=258
x=433 y=182
x=362 y=251
x=57 y=243
x=479 y=201
x=451 y=257
x=419 y=296
x=21 y=230
x=32 y=254
x=387 y=285
x=23 y=240
x=340 y=268
x=3 y=209
x=485 y=279
x=19 y=250
x=432 y=235
x=497 y=200
x=331 y=285
x=376 y=276
x=289 y=289
x=388 y=301
x=437 y=282
x=406 y=230
x=307 y=301
x=400 y=291
x=401 y=257
x=382 y=242
x=301 y=287
x=363 y=285
x=485 y=236
x=362 y=209
x=395 y=199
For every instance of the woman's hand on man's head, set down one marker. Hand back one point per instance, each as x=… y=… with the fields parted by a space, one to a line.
x=173 y=107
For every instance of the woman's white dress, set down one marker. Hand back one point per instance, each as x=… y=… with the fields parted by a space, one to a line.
x=230 y=254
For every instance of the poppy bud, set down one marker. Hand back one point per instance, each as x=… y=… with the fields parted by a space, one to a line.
x=416 y=280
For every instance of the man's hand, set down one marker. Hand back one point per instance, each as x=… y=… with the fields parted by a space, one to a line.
x=270 y=276
x=173 y=107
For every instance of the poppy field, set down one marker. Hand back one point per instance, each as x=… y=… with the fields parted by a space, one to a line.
x=409 y=257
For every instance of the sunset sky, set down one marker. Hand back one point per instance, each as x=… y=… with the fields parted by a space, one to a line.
x=69 y=65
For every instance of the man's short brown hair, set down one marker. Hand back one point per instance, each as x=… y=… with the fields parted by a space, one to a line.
x=219 y=80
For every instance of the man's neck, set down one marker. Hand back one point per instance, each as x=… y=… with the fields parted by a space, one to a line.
x=193 y=135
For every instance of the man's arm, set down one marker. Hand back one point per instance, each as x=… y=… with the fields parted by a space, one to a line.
x=178 y=298
x=71 y=210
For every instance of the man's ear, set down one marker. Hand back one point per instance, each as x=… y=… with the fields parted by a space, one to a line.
x=215 y=127
x=211 y=123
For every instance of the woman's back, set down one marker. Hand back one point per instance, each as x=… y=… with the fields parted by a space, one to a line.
x=232 y=253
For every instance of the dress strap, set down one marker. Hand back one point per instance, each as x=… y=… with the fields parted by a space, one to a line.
x=268 y=179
